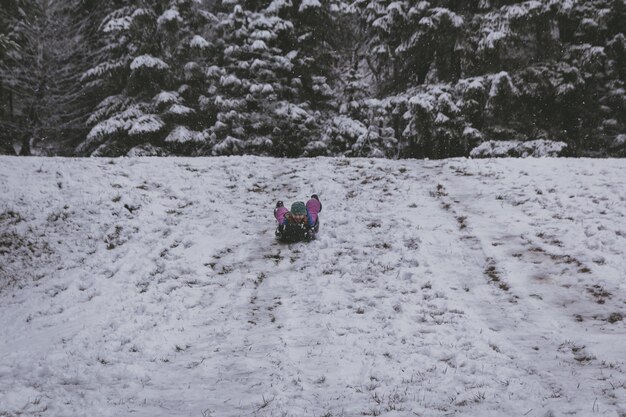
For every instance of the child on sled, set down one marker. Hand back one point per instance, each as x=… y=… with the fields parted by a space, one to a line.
x=302 y=217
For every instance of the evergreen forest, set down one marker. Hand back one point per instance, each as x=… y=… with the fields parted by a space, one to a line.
x=293 y=78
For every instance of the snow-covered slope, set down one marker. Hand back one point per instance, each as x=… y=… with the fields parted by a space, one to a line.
x=154 y=287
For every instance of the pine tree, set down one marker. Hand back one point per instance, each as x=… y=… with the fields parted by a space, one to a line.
x=271 y=79
x=8 y=46
x=12 y=44
x=47 y=106
x=562 y=62
x=151 y=78
x=392 y=78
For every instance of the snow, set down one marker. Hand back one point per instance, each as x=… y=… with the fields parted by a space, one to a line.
x=102 y=69
x=148 y=61
x=501 y=81
x=168 y=16
x=535 y=148
x=106 y=107
x=350 y=127
x=422 y=6
x=148 y=123
x=563 y=6
x=491 y=40
x=181 y=134
x=397 y=7
x=441 y=119
x=198 y=42
x=565 y=89
x=591 y=54
x=423 y=101
x=315 y=146
x=230 y=50
x=193 y=71
x=445 y=101
x=440 y=12
x=140 y=12
x=133 y=120
x=229 y=145
x=427 y=22
x=384 y=23
x=118 y=24
x=291 y=111
x=120 y=121
x=264 y=35
x=261 y=141
x=588 y=23
x=380 y=49
x=373 y=103
x=214 y=71
x=146 y=149
x=155 y=287
x=183 y=89
x=471 y=133
x=281 y=25
x=258 y=45
x=229 y=80
x=277 y=5
x=471 y=85
x=309 y=4
x=258 y=64
x=229 y=103
x=166 y=97
x=521 y=11
x=179 y=109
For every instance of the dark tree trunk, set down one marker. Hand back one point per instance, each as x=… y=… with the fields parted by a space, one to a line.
x=25 y=151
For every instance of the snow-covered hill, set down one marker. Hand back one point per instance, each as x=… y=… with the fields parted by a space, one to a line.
x=154 y=287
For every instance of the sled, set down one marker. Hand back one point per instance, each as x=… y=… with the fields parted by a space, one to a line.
x=291 y=233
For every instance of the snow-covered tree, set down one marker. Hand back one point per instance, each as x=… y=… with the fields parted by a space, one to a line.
x=8 y=15
x=151 y=77
x=271 y=77
x=249 y=76
x=47 y=105
x=392 y=78
x=514 y=69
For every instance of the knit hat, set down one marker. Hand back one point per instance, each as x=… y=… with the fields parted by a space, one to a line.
x=298 y=208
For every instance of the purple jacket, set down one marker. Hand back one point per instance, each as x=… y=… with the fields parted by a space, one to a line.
x=279 y=214
x=313 y=207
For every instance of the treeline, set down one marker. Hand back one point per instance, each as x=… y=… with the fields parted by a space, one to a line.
x=311 y=77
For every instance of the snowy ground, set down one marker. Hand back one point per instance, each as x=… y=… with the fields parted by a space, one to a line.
x=154 y=287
